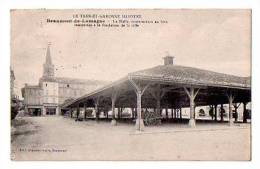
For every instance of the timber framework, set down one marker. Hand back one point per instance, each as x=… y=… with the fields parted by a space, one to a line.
x=167 y=86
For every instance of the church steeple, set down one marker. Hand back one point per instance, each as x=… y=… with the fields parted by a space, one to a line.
x=48 y=67
x=48 y=56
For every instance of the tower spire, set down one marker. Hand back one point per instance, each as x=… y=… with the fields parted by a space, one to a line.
x=48 y=55
x=48 y=67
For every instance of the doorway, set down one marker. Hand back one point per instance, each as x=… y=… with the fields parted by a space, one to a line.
x=36 y=112
x=50 y=111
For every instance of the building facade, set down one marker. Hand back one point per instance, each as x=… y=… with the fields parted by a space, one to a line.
x=51 y=92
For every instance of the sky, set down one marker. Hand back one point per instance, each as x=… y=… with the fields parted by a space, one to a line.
x=217 y=40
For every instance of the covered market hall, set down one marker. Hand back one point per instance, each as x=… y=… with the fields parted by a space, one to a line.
x=169 y=87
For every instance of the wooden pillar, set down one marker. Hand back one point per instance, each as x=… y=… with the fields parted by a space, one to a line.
x=113 y=99
x=211 y=111
x=166 y=112
x=85 y=111
x=158 y=106
x=236 y=106
x=192 y=95
x=244 y=112
x=96 y=111
x=107 y=113
x=230 y=101
x=172 y=112
x=235 y=111
x=181 y=113
x=78 y=111
x=139 y=92
x=70 y=112
x=139 y=120
x=118 y=112
x=121 y=112
x=96 y=108
x=192 y=111
x=216 y=112
x=221 y=113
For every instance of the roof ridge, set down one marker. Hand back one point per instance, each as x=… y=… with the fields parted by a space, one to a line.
x=194 y=68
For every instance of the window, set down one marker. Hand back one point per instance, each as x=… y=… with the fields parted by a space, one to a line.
x=46 y=84
x=68 y=85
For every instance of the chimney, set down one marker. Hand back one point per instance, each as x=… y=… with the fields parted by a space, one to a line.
x=168 y=60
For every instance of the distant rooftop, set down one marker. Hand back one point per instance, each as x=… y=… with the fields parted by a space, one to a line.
x=74 y=80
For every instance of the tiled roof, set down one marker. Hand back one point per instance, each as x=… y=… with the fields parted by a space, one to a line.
x=178 y=75
x=189 y=75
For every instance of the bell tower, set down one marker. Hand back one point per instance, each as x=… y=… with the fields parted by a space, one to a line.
x=48 y=67
x=168 y=59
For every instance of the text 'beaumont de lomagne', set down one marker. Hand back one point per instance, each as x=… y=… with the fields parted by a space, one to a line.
x=104 y=20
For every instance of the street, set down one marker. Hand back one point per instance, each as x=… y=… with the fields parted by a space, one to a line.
x=59 y=138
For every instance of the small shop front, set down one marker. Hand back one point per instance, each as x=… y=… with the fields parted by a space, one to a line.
x=50 y=110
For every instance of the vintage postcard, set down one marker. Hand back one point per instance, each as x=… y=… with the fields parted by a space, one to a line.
x=131 y=84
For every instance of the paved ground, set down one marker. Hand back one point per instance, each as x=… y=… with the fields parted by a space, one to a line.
x=59 y=138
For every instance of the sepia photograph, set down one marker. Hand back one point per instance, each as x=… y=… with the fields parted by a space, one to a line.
x=130 y=84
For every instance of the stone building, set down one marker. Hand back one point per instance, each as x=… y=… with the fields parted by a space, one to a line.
x=51 y=92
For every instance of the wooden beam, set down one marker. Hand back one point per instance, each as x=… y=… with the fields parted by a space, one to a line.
x=136 y=87
x=196 y=93
x=187 y=92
